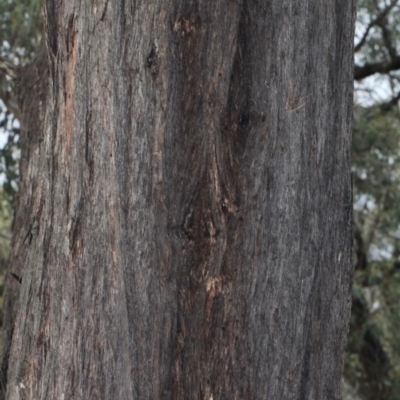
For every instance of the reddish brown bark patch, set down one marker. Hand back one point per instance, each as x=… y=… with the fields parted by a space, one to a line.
x=184 y=26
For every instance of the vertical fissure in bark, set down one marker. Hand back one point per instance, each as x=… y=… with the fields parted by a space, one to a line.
x=213 y=116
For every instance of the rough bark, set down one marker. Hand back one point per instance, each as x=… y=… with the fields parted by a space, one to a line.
x=31 y=86
x=193 y=214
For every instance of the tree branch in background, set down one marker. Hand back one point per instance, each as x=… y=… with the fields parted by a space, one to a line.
x=387 y=39
x=9 y=101
x=361 y=72
x=8 y=69
x=375 y=21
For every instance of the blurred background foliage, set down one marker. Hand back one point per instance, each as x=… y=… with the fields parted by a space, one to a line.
x=20 y=35
x=372 y=367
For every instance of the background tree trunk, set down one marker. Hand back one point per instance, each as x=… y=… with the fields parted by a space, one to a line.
x=192 y=233
x=31 y=93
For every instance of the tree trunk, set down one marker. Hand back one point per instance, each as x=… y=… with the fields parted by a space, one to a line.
x=193 y=215
x=31 y=93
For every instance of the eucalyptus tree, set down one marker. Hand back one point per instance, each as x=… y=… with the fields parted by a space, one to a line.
x=374 y=157
x=188 y=186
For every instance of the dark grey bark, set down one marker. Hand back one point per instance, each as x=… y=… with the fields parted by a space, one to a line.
x=193 y=213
